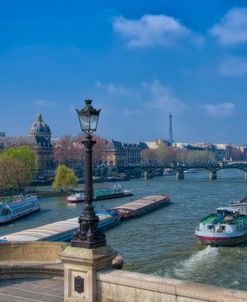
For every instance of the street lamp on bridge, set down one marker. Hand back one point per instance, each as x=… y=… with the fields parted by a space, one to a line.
x=88 y=235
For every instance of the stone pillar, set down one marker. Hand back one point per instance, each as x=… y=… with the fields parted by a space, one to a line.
x=180 y=175
x=148 y=175
x=213 y=175
x=80 y=268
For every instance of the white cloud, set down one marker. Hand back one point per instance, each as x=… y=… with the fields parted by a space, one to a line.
x=233 y=67
x=41 y=103
x=113 y=88
x=232 y=29
x=161 y=98
x=131 y=112
x=143 y=114
x=153 y=96
x=220 y=110
x=153 y=30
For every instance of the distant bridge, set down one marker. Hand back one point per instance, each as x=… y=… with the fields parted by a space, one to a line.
x=180 y=168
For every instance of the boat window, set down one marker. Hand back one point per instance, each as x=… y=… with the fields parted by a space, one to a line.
x=223 y=227
x=5 y=212
x=209 y=226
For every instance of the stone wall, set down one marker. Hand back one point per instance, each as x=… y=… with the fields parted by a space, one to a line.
x=124 y=286
x=36 y=252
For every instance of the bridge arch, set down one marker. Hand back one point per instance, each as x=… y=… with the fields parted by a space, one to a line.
x=213 y=168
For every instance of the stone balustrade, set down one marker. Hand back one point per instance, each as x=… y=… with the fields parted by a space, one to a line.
x=125 y=286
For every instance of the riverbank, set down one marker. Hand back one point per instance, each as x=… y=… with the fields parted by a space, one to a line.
x=39 y=193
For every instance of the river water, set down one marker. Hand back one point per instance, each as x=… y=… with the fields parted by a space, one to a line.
x=163 y=242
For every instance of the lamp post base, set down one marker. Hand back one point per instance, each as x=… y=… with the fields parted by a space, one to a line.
x=88 y=244
x=80 y=271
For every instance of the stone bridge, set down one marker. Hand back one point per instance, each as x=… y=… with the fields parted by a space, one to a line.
x=180 y=168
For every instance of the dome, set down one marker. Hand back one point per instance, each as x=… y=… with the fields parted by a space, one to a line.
x=40 y=127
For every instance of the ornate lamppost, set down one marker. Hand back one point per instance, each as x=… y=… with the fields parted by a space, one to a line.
x=88 y=235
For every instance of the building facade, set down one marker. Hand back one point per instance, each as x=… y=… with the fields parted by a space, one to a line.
x=40 y=134
x=122 y=154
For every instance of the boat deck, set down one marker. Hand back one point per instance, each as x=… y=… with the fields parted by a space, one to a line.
x=209 y=219
x=142 y=206
x=57 y=231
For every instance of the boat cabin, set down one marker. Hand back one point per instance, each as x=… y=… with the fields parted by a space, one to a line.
x=227 y=211
x=4 y=210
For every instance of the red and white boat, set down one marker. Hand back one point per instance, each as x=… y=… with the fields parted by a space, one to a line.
x=228 y=226
x=77 y=197
x=12 y=208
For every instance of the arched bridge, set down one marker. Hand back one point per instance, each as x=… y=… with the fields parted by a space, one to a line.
x=180 y=168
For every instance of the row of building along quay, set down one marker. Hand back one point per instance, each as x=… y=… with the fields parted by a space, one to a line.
x=112 y=156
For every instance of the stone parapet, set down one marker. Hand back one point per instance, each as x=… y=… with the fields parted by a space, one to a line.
x=36 y=252
x=124 y=286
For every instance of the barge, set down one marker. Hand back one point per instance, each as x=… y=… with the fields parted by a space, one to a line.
x=60 y=231
x=116 y=191
x=142 y=206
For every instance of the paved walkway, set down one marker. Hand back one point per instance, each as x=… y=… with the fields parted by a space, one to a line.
x=31 y=290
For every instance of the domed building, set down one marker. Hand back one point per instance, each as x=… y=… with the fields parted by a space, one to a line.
x=39 y=139
x=40 y=128
x=41 y=136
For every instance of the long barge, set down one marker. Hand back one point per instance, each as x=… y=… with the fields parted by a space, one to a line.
x=142 y=206
x=58 y=231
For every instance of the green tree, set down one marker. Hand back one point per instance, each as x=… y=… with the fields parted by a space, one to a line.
x=64 y=178
x=27 y=157
x=12 y=173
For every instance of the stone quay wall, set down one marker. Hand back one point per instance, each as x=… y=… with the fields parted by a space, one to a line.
x=125 y=286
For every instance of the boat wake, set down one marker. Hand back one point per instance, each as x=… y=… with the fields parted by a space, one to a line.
x=198 y=263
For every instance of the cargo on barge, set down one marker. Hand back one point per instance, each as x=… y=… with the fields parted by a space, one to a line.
x=142 y=206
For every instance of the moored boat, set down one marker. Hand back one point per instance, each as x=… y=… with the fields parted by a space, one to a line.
x=77 y=197
x=116 y=191
x=228 y=226
x=12 y=208
x=169 y=172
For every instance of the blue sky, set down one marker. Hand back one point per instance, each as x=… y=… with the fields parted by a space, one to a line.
x=138 y=61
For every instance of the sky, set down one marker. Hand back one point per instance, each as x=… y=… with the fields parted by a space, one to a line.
x=138 y=60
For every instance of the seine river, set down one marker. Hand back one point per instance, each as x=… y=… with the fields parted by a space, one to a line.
x=163 y=242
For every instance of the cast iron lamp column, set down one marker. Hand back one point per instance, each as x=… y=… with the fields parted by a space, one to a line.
x=88 y=235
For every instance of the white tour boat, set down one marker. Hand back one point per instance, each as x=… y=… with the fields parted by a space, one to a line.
x=228 y=226
x=12 y=208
